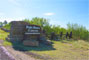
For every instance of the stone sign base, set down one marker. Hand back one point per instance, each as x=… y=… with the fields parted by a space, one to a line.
x=19 y=33
x=30 y=43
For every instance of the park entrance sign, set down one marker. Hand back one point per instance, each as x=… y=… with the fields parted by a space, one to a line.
x=29 y=35
x=33 y=29
x=32 y=35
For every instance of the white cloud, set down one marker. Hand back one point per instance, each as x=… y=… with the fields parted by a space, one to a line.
x=48 y=14
x=12 y=19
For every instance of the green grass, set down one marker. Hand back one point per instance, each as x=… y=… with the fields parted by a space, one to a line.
x=60 y=50
x=3 y=35
x=6 y=43
x=70 y=50
x=7 y=26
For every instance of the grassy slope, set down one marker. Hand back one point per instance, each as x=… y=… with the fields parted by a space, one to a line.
x=64 y=50
x=3 y=36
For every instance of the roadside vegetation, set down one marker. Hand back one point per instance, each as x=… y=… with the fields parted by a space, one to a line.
x=79 y=31
x=76 y=48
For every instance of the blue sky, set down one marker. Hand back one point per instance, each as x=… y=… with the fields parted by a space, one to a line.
x=59 y=12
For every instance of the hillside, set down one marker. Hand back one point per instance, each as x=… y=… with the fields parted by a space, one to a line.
x=60 y=50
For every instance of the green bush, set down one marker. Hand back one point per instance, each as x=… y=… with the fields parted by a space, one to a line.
x=79 y=32
x=7 y=26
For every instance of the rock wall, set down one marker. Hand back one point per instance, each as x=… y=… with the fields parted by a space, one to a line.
x=17 y=30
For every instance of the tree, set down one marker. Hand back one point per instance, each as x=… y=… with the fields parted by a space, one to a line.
x=79 y=32
x=5 y=22
x=27 y=20
x=1 y=24
x=39 y=21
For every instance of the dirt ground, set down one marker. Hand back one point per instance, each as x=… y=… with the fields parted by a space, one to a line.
x=19 y=55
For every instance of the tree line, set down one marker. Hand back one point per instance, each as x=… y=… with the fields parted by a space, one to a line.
x=78 y=31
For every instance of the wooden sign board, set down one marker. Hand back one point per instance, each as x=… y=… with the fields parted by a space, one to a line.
x=33 y=29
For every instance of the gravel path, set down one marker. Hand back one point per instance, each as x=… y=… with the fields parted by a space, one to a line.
x=5 y=55
x=8 y=53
